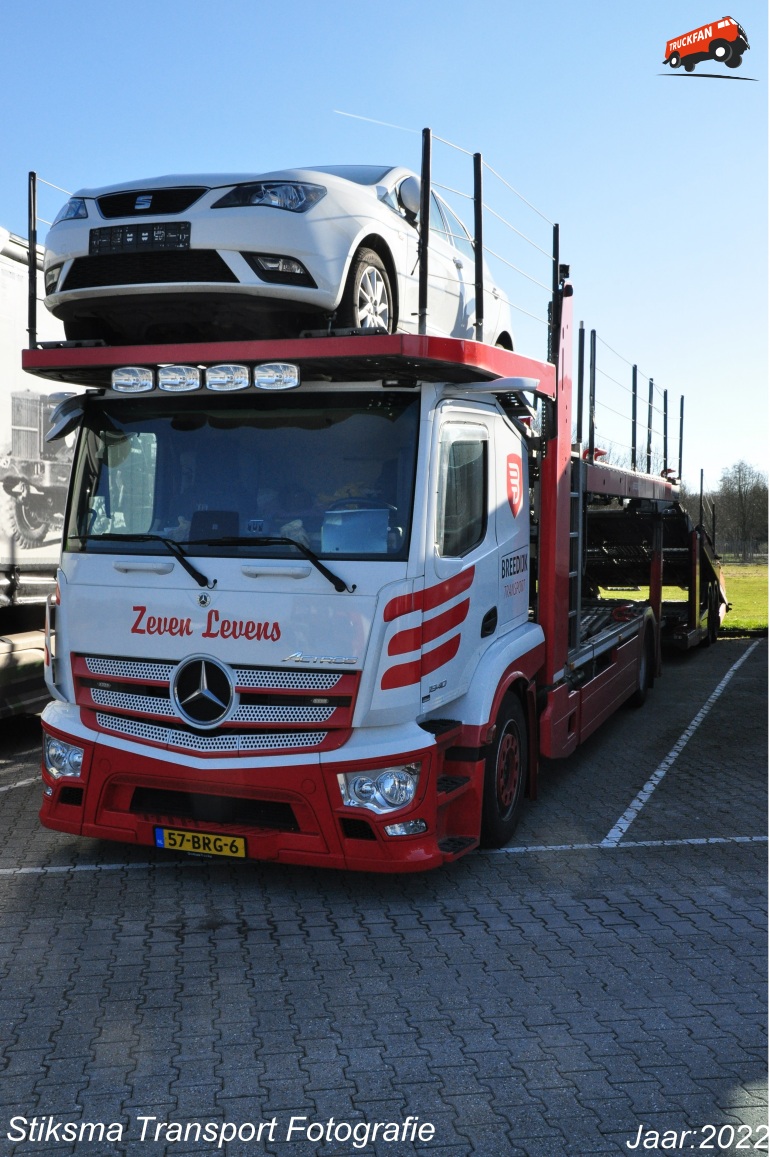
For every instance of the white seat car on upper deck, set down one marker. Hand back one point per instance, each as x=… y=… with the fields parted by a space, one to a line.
x=221 y=257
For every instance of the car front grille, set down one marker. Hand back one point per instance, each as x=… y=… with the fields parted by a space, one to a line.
x=201 y=265
x=113 y=205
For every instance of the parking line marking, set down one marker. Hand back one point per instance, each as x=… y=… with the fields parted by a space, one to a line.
x=202 y=862
x=616 y=833
x=601 y=846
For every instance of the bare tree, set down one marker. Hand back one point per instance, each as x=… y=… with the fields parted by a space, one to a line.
x=742 y=509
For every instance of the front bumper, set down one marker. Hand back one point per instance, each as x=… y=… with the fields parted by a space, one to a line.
x=286 y=811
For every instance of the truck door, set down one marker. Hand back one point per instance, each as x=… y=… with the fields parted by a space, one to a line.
x=460 y=601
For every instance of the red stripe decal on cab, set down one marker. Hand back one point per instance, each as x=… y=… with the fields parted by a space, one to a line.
x=430 y=598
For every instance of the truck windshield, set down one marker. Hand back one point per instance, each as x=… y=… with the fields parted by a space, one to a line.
x=333 y=472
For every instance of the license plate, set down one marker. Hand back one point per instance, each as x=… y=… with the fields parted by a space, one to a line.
x=141 y=238
x=204 y=843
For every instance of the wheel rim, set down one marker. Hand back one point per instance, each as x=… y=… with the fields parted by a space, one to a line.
x=372 y=306
x=508 y=770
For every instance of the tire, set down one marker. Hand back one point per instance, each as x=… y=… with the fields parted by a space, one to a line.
x=675 y=60
x=367 y=302
x=735 y=61
x=645 y=673
x=505 y=776
x=689 y=65
x=21 y=523
x=721 y=50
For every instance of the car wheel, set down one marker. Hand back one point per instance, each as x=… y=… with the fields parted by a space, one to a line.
x=735 y=60
x=689 y=65
x=505 y=776
x=367 y=302
x=675 y=60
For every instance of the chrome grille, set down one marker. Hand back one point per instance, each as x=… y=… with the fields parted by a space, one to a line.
x=130 y=669
x=214 y=744
x=278 y=706
x=286 y=680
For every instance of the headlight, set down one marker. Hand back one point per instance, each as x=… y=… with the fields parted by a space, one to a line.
x=383 y=791
x=62 y=759
x=291 y=195
x=75 y=207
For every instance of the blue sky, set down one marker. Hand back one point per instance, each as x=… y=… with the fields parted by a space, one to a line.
x=657 y=179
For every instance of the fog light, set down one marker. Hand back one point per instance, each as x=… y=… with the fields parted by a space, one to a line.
x=224 y=378
x=52 y=278
x=179 y=379
x=276 y=376
x=410 y=828
x=62 y=759
x=132 y=380
x=383 y=791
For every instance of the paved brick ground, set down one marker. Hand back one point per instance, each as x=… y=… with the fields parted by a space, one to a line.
x=525 y=1003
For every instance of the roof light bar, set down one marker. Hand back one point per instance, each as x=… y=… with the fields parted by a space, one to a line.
x=276 y=376
x=227 y=377
x=223 y=378
x=179 y=379
x=132 y=380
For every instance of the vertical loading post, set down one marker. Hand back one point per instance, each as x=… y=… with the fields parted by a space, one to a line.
x=422 y=306
x=650 y=399
x=581 y=374
x=681 y=434
x=634 y=404
x=592 y=398
x=32 y=263
x=478 y=245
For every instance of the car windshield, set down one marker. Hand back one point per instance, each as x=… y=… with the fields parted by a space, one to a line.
x=361 y=174
x=331 y=471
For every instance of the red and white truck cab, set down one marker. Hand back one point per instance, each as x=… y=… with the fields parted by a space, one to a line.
x=287 y=603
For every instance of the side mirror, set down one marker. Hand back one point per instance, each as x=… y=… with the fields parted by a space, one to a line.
x=409 y=197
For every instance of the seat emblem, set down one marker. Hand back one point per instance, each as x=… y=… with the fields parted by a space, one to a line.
x=143 y=201
x=202 y=691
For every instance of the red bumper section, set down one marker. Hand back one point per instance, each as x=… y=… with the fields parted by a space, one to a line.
x=289 y=814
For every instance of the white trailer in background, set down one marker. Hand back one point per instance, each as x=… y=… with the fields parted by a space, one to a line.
x=33 y=487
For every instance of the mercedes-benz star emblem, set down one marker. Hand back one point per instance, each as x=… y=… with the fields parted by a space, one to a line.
x=203 y=691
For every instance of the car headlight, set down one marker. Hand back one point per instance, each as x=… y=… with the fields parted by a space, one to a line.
x=382 y=791
x=62 y=759
x=75 y=207
x=295 y=196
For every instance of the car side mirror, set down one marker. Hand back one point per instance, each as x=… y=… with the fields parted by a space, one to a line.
x=409 y=197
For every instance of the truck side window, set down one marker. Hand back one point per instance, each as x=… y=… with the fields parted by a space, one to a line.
x=461 y=514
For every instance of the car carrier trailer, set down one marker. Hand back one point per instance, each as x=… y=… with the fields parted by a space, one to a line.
x=327 y=601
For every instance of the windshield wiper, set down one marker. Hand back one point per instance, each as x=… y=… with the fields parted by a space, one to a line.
x=277 y=540
x=169 y=543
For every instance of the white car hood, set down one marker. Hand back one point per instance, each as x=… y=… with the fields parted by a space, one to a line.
x=220 y=180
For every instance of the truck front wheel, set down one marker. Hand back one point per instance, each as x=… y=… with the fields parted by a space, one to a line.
x=505 y=776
